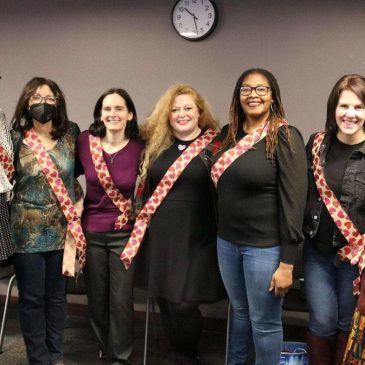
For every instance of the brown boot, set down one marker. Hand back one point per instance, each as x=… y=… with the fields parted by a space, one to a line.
x=341 y=343
x=320 y=350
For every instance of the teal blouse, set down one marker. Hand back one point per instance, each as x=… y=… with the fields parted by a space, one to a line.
x=37 y=221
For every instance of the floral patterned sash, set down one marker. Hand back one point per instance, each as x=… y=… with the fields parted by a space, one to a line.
x=123 y=204
x=245 y=144
x=6 y=162
x=75 y=239
x=161 y=191
x=353 y=251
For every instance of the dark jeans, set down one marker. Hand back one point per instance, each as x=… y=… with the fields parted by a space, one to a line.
x=42 y=304
x=110 y=294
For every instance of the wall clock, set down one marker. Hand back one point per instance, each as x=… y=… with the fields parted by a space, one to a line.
x=194 y=19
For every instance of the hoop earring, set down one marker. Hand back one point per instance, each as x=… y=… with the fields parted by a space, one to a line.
x=272 y=107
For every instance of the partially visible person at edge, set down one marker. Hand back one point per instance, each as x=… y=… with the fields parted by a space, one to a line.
x=261 y=199
x=328 y=279
x=179 y=254
x=7 y=247
x=110 y=155
x=38 y=224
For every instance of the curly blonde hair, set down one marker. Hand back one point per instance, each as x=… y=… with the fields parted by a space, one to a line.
x=157 y=130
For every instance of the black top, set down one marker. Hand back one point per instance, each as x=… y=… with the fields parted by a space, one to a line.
x=193 y=182
x=336 y=163
x=261 y=201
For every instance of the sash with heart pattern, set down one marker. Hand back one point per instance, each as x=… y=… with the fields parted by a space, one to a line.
x=101 y=169
x=353 y=251
x=245 y=144
x=161 y=191
x=75 y=239
x=6 y=162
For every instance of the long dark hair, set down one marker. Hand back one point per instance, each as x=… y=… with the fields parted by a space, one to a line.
x=22 y=121
x=237 y=116
x=352 y=82
x=97 y=128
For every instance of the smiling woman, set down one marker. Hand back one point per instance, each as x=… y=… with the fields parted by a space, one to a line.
x=256 y=99
x=110 y=154
x=336 y=175
x=184 y=117
x=259 y=172
x=179 y=257
x=350 y=116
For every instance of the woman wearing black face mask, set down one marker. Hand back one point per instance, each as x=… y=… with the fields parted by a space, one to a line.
x=42 y=211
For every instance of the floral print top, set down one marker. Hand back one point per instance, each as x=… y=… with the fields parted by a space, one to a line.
x=37 y=221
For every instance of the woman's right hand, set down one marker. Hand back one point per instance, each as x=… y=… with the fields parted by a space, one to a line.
x=282 y=279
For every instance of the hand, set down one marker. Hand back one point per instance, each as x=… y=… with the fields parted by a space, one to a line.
x=282 y=279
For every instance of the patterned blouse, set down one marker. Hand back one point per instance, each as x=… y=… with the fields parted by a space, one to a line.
x=37 y=221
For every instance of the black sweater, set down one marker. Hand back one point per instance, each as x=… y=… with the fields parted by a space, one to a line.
x=261 y=201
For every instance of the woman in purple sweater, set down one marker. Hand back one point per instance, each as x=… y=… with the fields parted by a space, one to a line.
x=110 y=154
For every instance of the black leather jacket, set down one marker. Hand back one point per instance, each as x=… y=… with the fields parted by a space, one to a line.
x=352 y=197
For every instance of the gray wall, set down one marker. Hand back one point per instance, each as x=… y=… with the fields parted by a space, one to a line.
x=88 y=46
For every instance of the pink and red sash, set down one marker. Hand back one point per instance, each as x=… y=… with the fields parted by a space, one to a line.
x=7 y=163
x=353 y=251
x=245 y=144
x=161 y=191
x=123 y=204
x=75 y=239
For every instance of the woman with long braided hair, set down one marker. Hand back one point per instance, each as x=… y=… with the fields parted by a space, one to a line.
x=260 y=174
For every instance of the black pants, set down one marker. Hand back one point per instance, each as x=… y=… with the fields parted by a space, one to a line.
x=42 y=304
x=183 y=324
x=110 y=294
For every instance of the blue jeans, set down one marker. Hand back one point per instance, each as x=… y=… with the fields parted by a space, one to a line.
x=328 y=287
x=256 y=312
x=42 y=304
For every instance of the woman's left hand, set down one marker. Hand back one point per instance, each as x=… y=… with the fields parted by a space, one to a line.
x=282 y=279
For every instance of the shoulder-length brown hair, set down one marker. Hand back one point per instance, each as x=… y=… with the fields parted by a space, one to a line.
x=22 y=121
x=237 y=115
x=352 y=82
x=97 y=128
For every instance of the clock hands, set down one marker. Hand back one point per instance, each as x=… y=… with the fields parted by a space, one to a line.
x=194 y=17
x=190 y=13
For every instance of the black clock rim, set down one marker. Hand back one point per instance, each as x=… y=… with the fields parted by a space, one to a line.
x=203 y=36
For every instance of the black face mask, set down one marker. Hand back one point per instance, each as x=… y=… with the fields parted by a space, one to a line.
x=43 y=112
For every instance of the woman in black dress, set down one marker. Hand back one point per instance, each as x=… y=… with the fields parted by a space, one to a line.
x=180 y=250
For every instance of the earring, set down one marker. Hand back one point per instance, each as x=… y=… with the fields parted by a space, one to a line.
x=272 y=107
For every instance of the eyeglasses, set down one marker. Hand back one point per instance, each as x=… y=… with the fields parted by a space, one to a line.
x=259 y=90
x=39 y=99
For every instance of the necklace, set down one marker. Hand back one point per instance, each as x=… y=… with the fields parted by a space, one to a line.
x=181 y=147
x=112 y=156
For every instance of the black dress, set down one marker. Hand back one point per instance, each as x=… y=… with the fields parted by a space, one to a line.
x=180 y=253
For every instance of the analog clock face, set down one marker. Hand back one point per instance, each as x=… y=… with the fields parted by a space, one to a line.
x=194 y=19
